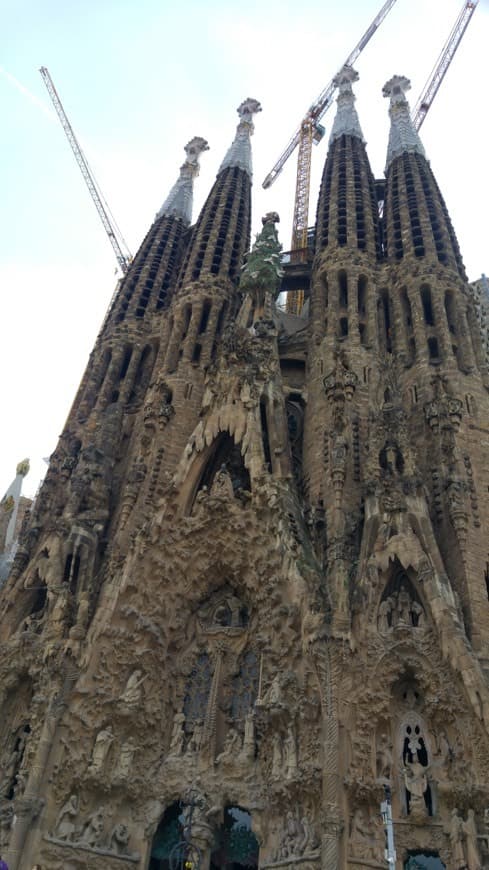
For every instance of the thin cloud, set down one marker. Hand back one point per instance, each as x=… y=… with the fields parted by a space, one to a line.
x=27 y=93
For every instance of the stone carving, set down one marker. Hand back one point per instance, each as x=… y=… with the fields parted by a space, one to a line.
x=124 y=760
x=91 y=835
x=65 y=826
x=400 y=610
x=384 y=759
x=94 y=829
x=133 y=691
x=177 y=737
x=101 y=747
x=298 y=838
x=472 y=855
x=366 y=837
x=119 y=839
x=290 y=754
x=416 y=782
x=6 y=819
x=232 y=748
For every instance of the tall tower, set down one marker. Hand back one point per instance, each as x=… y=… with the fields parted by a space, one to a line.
x=253 y=592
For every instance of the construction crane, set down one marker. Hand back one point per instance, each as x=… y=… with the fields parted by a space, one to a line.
x=438 y=72
x=309 y=131
x=116 y=239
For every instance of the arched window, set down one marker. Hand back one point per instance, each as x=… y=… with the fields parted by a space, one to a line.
x=227 y=454
x=168 y=834
x=197 y=692
x=245 y=686
x=237 y=846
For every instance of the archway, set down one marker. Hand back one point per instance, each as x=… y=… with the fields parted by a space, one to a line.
x=423 y=861
x=168 y=833
x=236 y=847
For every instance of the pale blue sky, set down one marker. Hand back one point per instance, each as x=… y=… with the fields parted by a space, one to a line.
x=138 y=80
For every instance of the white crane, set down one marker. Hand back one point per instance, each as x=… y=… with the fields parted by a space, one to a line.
x=116 y=238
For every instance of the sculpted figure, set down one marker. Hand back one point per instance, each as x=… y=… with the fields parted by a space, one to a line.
x=195 y=739
x=290 y=837
x=64 y=828
x=93 y=830
x=416 y=782
x=100 y=750
x=290 y=754
x=473 y=861
x=456 y=834
x=417 y=613
x=386 y=611
x=132 y=694
x=232 y=747
x=276 y=756
x=359 y=835
x=309 y=840
x=248 y=750
x=384 y=757
x=124 y=761
x=176 y=742
x=6 y=817
x=404 y=607
x=119 y=839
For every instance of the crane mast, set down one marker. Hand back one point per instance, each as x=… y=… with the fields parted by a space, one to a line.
x=121 y=250
x=310 y=131
x=444 y=60
x=323 y=102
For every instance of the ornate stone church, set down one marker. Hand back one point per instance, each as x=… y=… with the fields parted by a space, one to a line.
x=250 y=604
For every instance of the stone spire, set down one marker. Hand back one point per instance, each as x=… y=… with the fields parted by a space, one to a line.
x=239 y=153
x=403 y=137
x=346 y=121
x=179 y=201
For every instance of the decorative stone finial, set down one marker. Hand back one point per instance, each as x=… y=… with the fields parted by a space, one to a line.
x=179 y=201
x=262 y=272
x=346 y=120
x=403 y=137
x=239 y=153
x=23 y=468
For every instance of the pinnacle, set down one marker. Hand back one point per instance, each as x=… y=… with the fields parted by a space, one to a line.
x=403 y=136
x=179 y=201
x=239 y=154
x=346 y=121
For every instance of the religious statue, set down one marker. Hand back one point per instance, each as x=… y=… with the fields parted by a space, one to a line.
x=384 y=757
x=176 y=742
x=456 y=834
x=416 y=782
x=124 y=760
x=276 y=756
x=100 y=750
x=232 y=747
x=473 y=861
x=64 y=828
x=93 y=830
x=132 y=694
x=290 y=754
x=119 y=839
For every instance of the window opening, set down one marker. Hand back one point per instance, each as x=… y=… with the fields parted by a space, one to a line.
x=264 y=435
x=429 y=317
